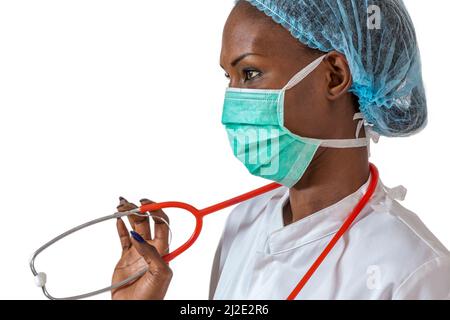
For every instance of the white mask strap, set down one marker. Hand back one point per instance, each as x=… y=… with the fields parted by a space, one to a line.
x=344 y=143
x=304 y=73
x=350 y=143
x=370 y=133
x=359 y=116
x=336 y=143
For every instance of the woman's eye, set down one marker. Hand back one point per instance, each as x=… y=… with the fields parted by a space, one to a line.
x=251 y=74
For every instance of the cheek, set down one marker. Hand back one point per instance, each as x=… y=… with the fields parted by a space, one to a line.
x=305 y=111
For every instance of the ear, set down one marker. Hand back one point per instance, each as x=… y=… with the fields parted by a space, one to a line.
x=338 y=75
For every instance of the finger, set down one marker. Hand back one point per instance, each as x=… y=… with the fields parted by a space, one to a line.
x=138 y=223
x=123 y=234
x=151 y=256
x=161 y=229
x=123 y=206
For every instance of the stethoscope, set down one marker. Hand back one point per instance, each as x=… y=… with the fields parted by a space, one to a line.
x=199 y=214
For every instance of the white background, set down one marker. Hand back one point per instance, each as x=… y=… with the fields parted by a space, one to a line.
x=100 y=99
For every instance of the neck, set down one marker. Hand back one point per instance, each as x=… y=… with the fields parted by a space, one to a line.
x=333 y=175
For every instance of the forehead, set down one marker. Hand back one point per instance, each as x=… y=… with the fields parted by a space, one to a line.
x=249 y=30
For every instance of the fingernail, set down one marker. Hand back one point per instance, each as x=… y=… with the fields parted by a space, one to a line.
x=137 y=236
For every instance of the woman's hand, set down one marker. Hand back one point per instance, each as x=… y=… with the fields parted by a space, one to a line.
x=140 y=251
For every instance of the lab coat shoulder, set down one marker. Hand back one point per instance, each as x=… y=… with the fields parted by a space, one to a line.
x=416 y=263
x=430 y=281
x=245 y=211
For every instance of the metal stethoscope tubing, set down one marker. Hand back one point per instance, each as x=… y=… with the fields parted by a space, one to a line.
x=41 y=277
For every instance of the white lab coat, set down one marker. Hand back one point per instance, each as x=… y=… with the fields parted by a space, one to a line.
x=388 y=253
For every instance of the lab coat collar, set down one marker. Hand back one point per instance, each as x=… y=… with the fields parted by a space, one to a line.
x=316 y=226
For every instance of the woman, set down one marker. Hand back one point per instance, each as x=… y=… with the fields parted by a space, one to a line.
x=353 y=65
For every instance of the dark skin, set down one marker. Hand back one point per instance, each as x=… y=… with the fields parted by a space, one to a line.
x=257 y=53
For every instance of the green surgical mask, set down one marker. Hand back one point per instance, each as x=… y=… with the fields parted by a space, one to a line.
x=254 y=121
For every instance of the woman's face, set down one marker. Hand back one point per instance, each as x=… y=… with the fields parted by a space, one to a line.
x=258 y=53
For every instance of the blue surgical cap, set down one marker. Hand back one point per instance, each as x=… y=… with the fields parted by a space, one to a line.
x=379 y=41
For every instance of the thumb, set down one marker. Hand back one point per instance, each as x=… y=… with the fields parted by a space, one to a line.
x=155 y=263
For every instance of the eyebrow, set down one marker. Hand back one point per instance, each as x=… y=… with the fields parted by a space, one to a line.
x=242 y=57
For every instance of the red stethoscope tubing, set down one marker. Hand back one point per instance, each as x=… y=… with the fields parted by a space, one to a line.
x=200 y=213
x=345 y=226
